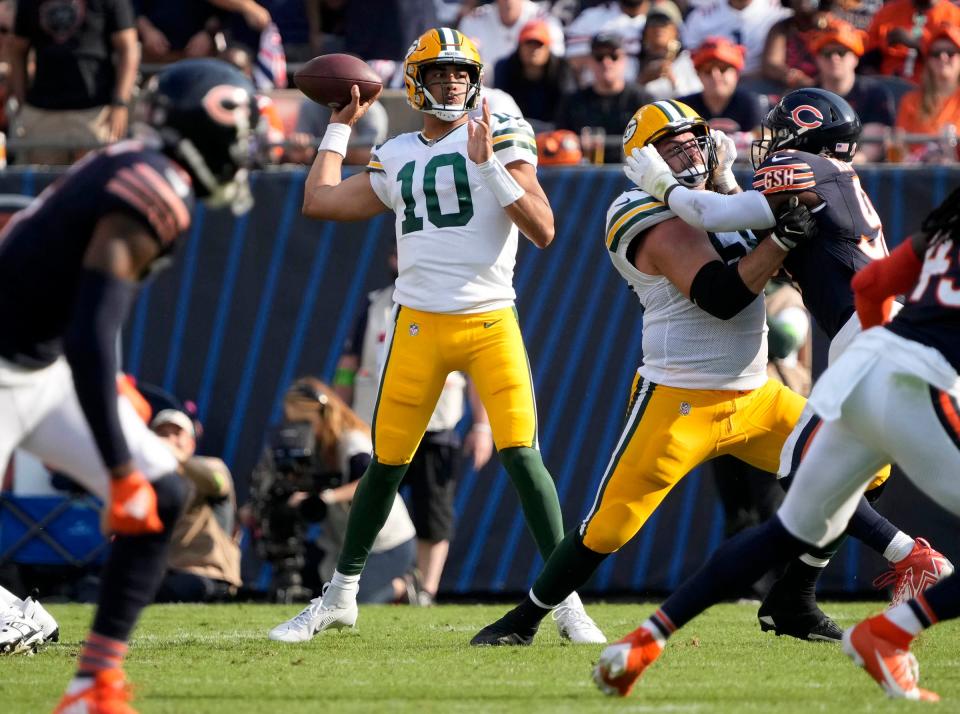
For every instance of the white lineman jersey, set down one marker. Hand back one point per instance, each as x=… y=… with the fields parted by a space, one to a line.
x=885 y=400
x=40 y=414
x=683 y=345
x=456 y=246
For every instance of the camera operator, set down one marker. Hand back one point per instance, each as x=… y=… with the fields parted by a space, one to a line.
x=309 y=473
x=204 y=560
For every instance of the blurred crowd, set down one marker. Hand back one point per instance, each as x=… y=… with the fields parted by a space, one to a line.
x=576 y=69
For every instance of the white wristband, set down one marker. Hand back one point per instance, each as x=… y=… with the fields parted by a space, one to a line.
x=335 y=139
x=481 y=426
x=500 y=182
x=780 y=243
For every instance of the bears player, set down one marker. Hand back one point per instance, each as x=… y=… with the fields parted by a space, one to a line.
x=459 y=189
x=911 y=362
x=70 y=266
x=702 y=389
x=808 y=141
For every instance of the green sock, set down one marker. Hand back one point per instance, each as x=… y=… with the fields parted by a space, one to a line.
x=538 y=496
x=371 y=506
x=569 y=567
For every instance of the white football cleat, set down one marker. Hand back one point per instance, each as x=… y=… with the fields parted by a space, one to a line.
x=315 y=618
x=18 y=634
x=574 y=624
x=33 y=610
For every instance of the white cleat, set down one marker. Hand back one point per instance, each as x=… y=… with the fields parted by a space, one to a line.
x=313 y=619
x=33 y=610
x=574 y=624
x=18 y=634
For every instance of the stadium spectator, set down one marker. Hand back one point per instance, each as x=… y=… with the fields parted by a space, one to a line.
x=86 y=60
x=667 y=69
x=787 y=58
x=312 y=121
x=244 y=22
x=837 y=51
x=626 y=18
x=609 y=102
x=495 y=30
x=535 y=77
x=935 y=106
x=858 y=13
x=432 y=474
x=745 y=22
x=173 y=29
x=724 y=104
x=327 y=20
x=898 y=32
x=204 y=559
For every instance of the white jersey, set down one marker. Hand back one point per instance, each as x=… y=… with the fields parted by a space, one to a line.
x=456 y=246
x=683 y=345
x=748 y=27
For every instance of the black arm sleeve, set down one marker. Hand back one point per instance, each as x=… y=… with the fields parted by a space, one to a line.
x=90 y=346
x=719 y=290
x=358 y=465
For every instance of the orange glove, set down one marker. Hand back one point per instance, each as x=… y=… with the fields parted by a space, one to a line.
x=133 y=506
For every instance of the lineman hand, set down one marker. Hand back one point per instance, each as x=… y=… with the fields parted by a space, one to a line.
x=795 y=224
x=647 y=169
x=722 y=176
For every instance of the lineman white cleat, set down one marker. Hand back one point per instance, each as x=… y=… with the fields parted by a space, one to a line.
x=18 y=634
x=574 y=624
x=313 y=619
x=33 y=610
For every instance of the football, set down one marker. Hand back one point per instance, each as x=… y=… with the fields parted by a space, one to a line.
x=327 y=79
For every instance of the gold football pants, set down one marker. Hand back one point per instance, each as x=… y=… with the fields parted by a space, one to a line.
x=423 y=349
x=669 y=432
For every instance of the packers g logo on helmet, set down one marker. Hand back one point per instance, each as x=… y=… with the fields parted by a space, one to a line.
x=668 y=117
x=441 y=45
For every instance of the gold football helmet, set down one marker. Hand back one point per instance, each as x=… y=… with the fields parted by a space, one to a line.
x=668 y=117
x=441 y=45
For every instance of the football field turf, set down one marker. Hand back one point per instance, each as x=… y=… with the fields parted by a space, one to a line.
x=194 y=659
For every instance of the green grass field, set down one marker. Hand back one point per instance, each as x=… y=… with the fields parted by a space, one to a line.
x=195 y=659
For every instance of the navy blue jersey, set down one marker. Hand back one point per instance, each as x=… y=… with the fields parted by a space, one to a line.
x=42 y=247
x=932 y=313
x=849 y=233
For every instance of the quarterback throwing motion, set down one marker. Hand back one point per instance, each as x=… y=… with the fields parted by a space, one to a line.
x=459 y=190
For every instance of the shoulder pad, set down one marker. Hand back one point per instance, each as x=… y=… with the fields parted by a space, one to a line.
x=631 y=213
x=784 y=171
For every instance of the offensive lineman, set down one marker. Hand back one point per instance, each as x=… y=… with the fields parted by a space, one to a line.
x=702 y=389
x=808 y=140
x=459 y=189
x=70 y=267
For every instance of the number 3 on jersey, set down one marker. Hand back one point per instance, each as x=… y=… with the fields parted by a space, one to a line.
x=461 y=181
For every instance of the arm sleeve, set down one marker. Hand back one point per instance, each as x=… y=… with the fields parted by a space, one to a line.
x=90 y=346
x=210 y=476
x=121 y=17
x=711 y=211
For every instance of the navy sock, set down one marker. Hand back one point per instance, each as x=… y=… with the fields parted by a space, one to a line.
x=870 y=528
x=135 y=566
x=944 y=598
x=735 y=566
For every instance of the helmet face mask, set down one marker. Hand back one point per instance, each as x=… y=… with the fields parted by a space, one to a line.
x=813 y=120
x=204 y=115
x=441 y=46
x=667 y=118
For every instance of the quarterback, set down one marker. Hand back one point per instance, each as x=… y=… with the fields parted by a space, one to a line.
x=460 y=190
x=702 y=389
